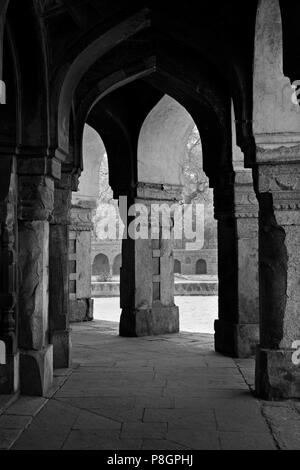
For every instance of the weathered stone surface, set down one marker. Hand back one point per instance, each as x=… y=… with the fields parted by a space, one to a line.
x=33 y=281
x=147 y=278
x=247 y=339
x=155 y=321
x=284 y=421
x=62 y=347
x=161 y=148
x=81 y=305
x=81 y=310
x=36 y=371
x=236 y=339
x=274 y=115
x=276 y=375
x=36 y=197
x=58 y=277
x=196 y=288
x=279 y=196
x=59 y=274
x=9 y=372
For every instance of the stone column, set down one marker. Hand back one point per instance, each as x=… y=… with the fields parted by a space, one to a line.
x=59 y=273
x=276 y=124
x=81 y=303
x=36 y=354
x=237 y=329
x=9 y=366
x=225 y=326
x=279 y=260
x=246 y=214
x=147 y=276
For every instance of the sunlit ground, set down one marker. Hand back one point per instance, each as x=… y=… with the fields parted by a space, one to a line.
x=196 y=313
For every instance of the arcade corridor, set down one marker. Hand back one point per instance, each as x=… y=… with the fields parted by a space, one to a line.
x=143 y=74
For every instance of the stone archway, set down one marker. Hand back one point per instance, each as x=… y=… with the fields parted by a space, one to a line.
x=201 y=266
x=100 y=265
x=117 y=265
x=177 y=267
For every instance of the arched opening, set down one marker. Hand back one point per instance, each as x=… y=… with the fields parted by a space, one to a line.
x=93 y=238
x=100 y=265
x=177 y=266
x=201 y=266
x=117 y=265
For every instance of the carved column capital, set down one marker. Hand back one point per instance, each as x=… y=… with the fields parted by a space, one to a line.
x=282 y=181
x=36 y=197
x=81 y=218
x=245 y=201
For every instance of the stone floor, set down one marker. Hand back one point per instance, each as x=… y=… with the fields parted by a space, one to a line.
x=161 y=393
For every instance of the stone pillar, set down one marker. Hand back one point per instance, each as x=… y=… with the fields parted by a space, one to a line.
x=59 y=274
x=225 y=326
x=279 y=260
x=36 y=354
x=246 y=214
x=236 y=209
x=147 y=276
x=81 y=303
x=9 y=367
x=276 y=124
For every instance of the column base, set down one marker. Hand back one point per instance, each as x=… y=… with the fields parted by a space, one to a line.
x=81 y=310
x=36 y=371
x=9 y=374
x=236 y=340
x=62 y=347
x=276 y=377
x=149 y=322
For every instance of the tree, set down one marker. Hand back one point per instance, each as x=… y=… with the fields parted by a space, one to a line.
x=195 y=182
